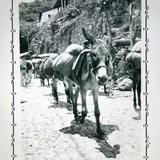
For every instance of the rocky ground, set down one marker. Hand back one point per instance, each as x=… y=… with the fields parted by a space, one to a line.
x=49 y=131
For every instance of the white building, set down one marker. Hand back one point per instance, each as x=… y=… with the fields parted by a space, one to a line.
x=45 y=16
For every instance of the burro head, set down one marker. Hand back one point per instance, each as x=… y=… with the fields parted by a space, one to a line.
x=100 y=59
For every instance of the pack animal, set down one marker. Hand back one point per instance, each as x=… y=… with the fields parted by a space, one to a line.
x=49 y=71
x=42 y=74
x=87 y=70
x=36 y=65
x=134 y=61
x=26 y=72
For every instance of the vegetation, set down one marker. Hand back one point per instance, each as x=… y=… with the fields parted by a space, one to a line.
x=46 y=38
x=30 y=12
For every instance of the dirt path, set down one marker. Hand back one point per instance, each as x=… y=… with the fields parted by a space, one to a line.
x=50 y=133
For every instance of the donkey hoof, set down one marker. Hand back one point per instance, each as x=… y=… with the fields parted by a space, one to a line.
x=116 y=146
x=100 y=134
x=76 y=118
x=69 y=102
x=82 y=120
x=101 y=137
x=137 y=109
x=137 y=118
x=55 y=101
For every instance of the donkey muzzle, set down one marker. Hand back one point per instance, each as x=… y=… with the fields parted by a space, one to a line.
x=101 y=75
x=102 y=79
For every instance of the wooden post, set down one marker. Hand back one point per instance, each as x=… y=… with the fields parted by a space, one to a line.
x=109 y=43
x=131 y=24
x=107 y=29
x=58 y=11
x=64 y=4
x=62 y=10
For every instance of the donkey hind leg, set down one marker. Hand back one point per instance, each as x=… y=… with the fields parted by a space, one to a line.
x=54 y=89
x=75 y=98
x=67 y=91
x=84 y=107
x=48 y=82
x=139 y=94
x=134 y=95
x=42 y=81
x=74 y=92
x=22 y=79
x=25 y=79
x=100 y=133
x=105 y=90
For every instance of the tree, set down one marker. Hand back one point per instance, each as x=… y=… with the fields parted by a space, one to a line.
x=27 y=31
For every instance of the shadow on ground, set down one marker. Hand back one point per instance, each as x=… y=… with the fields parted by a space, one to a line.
x=59 y=94
x=61 y=105
x=88 y=129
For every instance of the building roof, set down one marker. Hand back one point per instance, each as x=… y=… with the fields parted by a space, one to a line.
x=57 y=3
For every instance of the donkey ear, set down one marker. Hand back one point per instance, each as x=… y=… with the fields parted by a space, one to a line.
x=105 y=39
x=88 y=36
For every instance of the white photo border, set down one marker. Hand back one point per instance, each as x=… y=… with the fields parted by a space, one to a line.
x=145 y=63
x=13 y=93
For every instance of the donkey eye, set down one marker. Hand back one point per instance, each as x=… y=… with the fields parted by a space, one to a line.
x=107 y=62
x=94 y=55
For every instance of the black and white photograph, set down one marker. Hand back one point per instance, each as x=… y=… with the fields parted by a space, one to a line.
x=80 y=70
x=79 y=80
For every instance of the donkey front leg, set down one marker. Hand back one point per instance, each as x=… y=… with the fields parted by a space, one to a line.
x=48 y=82
x=67 y=91
x=74 y=92
x=42 y=81
x=139 y=94
x=97 y=111
x=134 y=94
x=84 y=107
x=54 y=89
x=75 y=98
x=105 y=90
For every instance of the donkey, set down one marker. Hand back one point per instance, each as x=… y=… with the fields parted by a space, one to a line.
x=42 y=74
x=88 y=71
x=36 y=64
x=49 y=72
x=25 y=71
x=134 y=61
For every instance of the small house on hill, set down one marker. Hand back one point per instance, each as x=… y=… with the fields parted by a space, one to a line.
x=58 y=7
x=46 y=16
